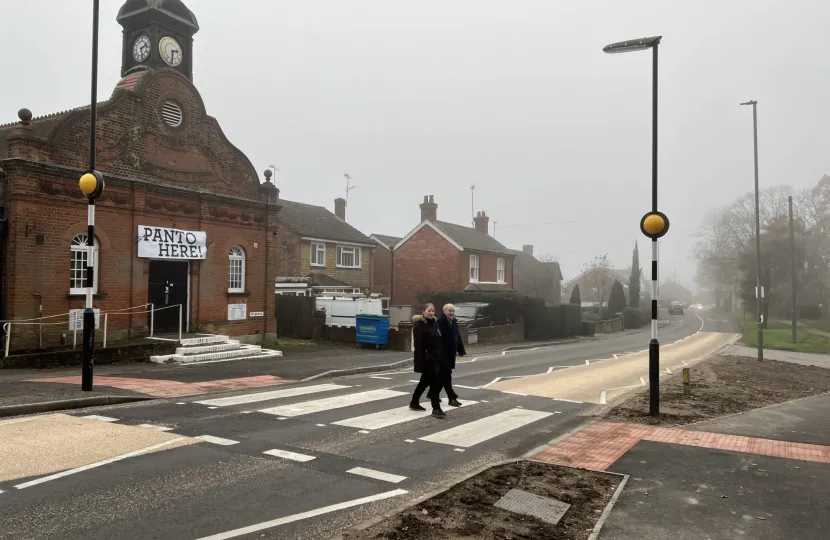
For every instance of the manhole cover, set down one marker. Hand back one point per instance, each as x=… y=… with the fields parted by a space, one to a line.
x=521 y=502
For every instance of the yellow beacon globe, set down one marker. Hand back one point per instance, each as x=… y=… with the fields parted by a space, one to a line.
x=654 y=224
x=88 y=184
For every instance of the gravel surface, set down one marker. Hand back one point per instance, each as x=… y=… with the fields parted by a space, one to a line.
x=725 y=385
x=466 y=512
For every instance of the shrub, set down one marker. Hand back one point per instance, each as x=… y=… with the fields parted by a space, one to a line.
x=811 y=311
x=616 y=300
x=631 y=317
x=576 y=296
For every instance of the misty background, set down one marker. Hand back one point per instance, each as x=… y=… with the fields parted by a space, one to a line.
x=417 y=98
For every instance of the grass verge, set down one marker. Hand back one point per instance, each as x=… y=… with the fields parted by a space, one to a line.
x=779 y=336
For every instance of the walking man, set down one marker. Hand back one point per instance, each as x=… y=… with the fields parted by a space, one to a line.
x=452 y=345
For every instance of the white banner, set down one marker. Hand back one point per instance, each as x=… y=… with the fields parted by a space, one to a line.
x=163 y=243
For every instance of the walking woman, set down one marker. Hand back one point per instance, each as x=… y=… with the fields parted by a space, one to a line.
x=428 y=346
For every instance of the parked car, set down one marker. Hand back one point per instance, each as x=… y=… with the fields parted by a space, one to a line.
x=472 y=313
x=676 y=308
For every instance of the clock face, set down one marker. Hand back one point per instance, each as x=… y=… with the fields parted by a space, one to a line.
x=171 y=51
x=141 y=48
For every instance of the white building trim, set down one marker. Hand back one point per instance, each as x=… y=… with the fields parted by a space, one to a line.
x=427 y=223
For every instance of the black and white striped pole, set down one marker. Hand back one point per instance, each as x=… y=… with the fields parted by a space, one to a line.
x=655 y=224
x=91 y=184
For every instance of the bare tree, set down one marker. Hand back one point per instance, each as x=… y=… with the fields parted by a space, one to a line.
x=547 y=258
x=597 y=278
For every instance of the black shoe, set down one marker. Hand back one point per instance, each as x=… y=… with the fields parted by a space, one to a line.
x=454 y=402
x=415 y=406
x=438 y=413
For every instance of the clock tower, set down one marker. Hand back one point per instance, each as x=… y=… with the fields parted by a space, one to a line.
x=157 y=34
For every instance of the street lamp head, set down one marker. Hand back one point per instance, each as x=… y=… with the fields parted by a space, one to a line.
x=753 y=102
x=632 y=45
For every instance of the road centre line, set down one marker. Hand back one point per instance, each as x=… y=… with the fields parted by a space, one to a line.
x=97 y=464
x=304 y=515
x=377 y=475
x=293 y=456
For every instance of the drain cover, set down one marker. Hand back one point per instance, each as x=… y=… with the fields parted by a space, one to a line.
x=521 y=502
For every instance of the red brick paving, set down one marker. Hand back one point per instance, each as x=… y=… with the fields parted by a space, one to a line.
x=162 y=388
x=601 y=444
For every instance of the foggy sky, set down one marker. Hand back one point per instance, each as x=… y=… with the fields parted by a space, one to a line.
x=417 y=98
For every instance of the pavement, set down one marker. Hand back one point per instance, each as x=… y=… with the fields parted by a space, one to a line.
x=761 y=475
x=807 y=359
x=300 y=460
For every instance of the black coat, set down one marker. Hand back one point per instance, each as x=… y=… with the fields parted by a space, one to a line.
x=427 y=342
x=451 y=342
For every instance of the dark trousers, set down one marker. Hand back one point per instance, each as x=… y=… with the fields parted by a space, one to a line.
x=429 y=379
x=445 y=382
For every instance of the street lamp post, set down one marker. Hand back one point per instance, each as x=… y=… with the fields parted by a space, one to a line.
x=759 y=291
x=654 y=224
x=91 y=184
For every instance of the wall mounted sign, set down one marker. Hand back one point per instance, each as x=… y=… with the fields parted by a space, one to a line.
x=163 y=243
x=237 y=312
x=76 y=319
x=254 y=314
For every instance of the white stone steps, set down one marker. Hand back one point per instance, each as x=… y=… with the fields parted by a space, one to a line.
x=203 y=340
x=201 y=349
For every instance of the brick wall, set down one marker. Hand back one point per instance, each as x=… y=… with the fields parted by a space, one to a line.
x=356 y=277
x=504 y=333
x=425 y=262
x=382 y=271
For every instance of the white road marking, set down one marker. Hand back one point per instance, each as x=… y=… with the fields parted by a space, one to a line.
x=535 y=348
x=181 y=403
x=459 y=449
x=320 y=405
x=467 y=387
x=513 y=393
x=293 y=456
x=550 y=370
x=377 y=475
x=100 y=418
x=217 y=440
x=159 y=428
x=273 y=394
x=494 y=381
x=587 y=362
x=416 y=382
x=602 y=398
x=364 y=431
x=379 y=377
x=478 y=431
x=214 y=407
x=409 y=441
x=388 y=418
x=321 y=425
x=484 y=401
x=642 y=381
x=668 y=370
x=615 y=356
x=97 y=464
x=567 y=400
x=304 y=515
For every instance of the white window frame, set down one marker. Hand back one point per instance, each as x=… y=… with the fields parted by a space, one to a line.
x=316 y=249
x=79 y=250
x=500 y=272
x=355 y=251
x=236 y=265
x=475 y=268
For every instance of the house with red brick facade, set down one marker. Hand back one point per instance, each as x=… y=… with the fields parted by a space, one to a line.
x=535 y=278
x=321 y=252
x=384 y=254
x=184 y=219
x=444 y=257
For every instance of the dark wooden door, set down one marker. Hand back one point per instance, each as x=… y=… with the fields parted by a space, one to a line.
x=166 y=288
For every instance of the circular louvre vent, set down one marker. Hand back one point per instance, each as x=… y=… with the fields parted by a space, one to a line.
x=171 y=114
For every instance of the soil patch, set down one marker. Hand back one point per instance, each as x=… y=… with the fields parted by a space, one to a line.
x=724 y=385
x=466 y=511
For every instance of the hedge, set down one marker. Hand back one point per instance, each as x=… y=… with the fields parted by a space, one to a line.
x=541 y=321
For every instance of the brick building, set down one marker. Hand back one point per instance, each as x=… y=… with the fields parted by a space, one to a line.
x=320 y=253
x=539 y=279
x=382 y=273
x=444 y=257
x=184 y=219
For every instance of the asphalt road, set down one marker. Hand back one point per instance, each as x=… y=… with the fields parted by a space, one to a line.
x=301 y=461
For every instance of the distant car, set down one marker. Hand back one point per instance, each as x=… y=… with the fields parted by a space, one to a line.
x=676 y=308
x=472 y=313
x=696 y=306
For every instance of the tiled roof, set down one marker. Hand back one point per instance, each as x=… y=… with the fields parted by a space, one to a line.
x=388 y=241
x=318 y=222
x=531 y=262
x=469 y=238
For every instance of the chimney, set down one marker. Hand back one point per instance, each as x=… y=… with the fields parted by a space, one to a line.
x=527 y=248
x=482 y=222
x=429 y=210
x=340 y=208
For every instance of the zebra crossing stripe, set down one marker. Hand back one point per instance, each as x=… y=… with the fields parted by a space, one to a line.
x=338 y=402
x=273 y=394
x=388 y=418
x=473 y=433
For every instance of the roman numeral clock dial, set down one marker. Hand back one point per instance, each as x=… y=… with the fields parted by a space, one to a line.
x=170 y=51
x=141 y=48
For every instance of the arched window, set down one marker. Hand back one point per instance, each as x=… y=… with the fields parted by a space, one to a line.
x=77 y=268
x=236 y=270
